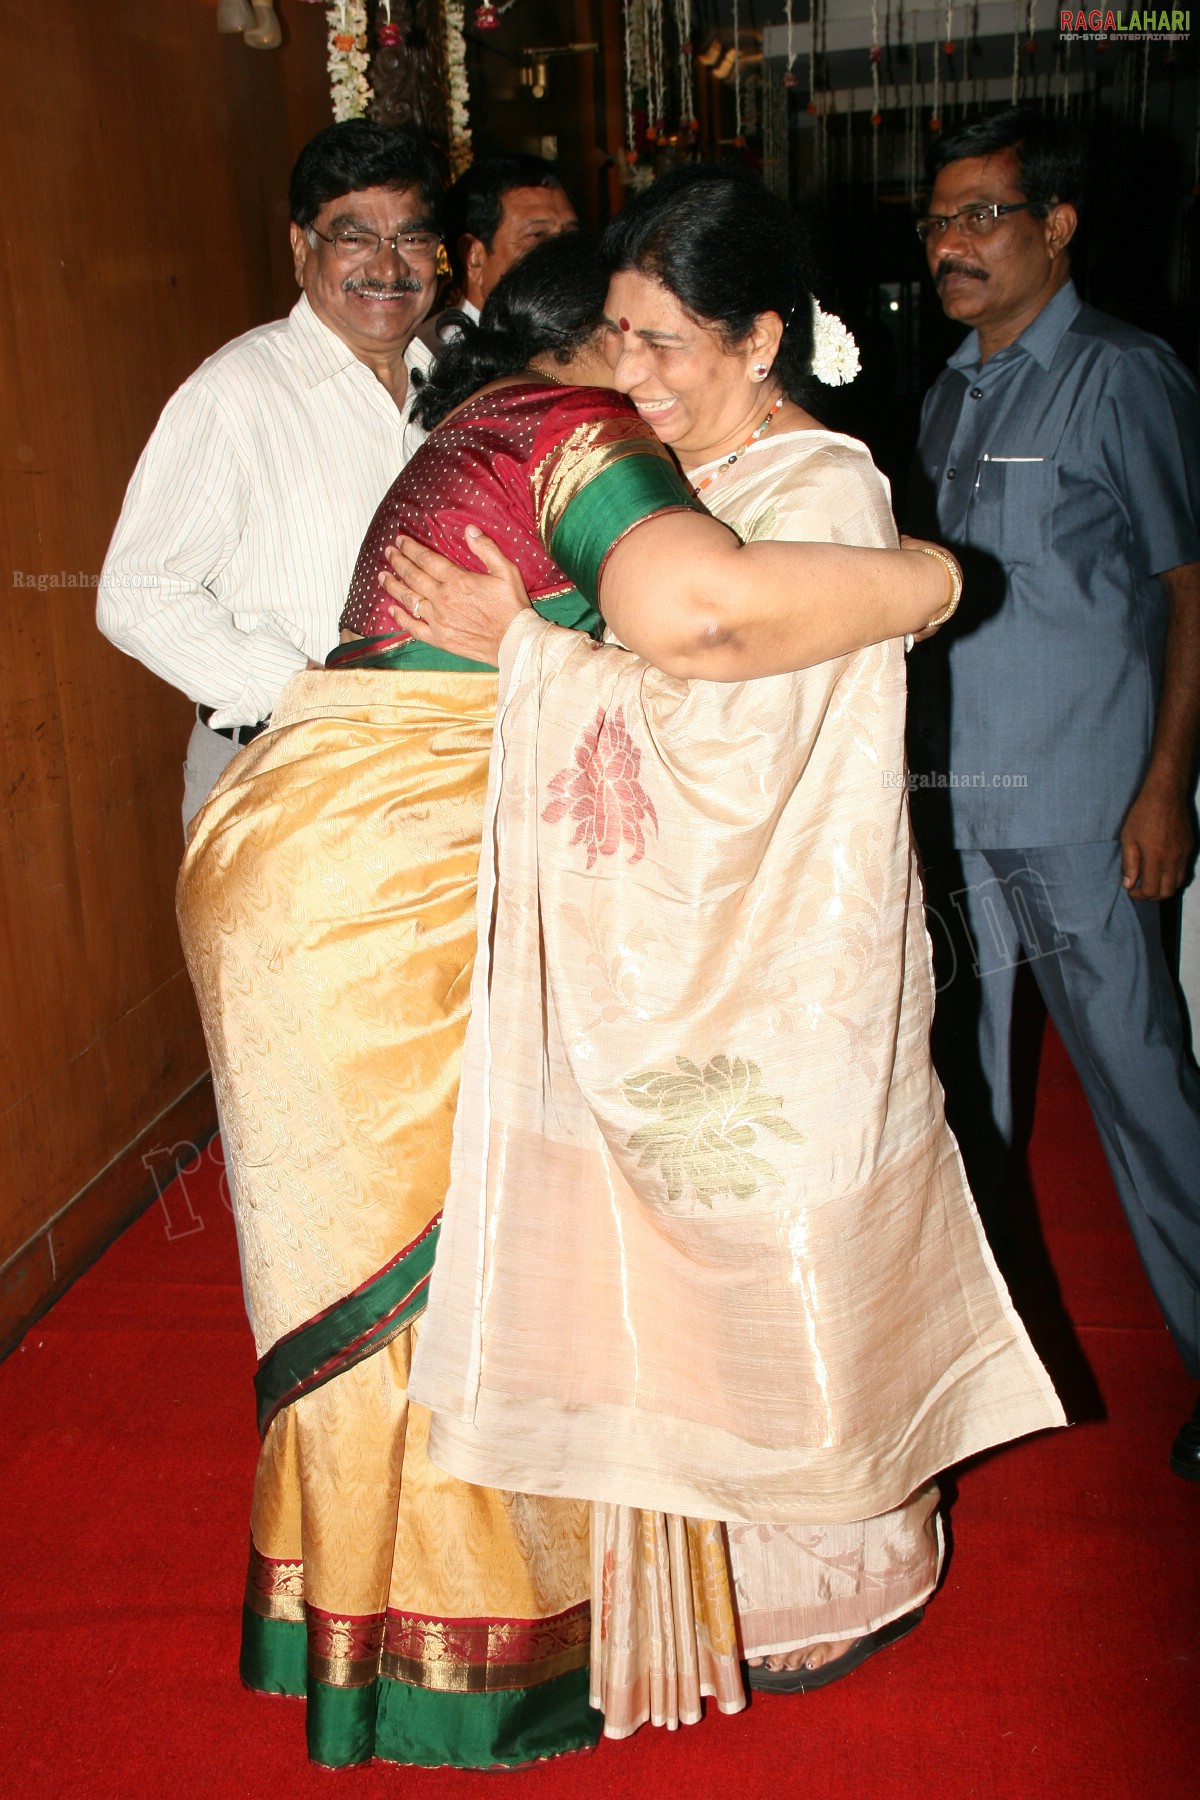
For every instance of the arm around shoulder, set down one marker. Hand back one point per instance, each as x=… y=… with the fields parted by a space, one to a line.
x=683 y=593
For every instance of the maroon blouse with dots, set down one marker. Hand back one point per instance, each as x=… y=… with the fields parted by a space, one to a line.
x=475 y=470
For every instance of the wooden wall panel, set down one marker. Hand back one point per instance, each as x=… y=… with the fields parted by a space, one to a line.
x=145 y=163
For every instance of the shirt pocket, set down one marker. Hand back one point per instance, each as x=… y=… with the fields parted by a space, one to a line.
x=1012 y=507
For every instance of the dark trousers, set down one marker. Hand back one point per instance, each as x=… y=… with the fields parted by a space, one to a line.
x=1098 y=961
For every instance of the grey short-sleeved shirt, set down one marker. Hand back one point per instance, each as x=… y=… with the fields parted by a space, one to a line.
x=1067 y=470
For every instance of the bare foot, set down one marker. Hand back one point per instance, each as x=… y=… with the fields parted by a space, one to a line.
x=809 y=1656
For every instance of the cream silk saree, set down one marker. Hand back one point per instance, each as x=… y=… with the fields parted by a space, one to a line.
x=708 y=1251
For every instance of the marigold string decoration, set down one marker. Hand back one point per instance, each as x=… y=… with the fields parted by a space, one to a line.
x=347 y=61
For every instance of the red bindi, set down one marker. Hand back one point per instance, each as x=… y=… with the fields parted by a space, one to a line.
x=624 y=324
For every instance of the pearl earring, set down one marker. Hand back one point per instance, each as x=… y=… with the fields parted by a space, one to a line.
x=760 y=371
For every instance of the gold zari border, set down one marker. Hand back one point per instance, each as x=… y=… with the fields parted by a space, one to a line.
x=343 y=1671
x=477 y=1656
x=275 y=1589
x=446 y=1677
x=566 y=470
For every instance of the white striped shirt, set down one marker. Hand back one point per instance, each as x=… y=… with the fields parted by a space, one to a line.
x=235 y=547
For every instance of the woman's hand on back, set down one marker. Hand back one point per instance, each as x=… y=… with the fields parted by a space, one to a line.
x=464 y=611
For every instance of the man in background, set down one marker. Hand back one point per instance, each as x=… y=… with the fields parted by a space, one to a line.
x=234 y=551
x=1055 y=723
x=500 y=208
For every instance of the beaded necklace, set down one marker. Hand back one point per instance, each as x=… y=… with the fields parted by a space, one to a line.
x=698 y=487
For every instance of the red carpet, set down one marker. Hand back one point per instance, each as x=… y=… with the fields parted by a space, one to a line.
x=1060 y=1658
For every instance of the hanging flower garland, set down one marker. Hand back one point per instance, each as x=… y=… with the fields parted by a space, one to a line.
x=687 y=97
x=348 y=58
x=631 y=20
x=647 y=84
x=459 y=99
x=790 y=78
x=915 y=99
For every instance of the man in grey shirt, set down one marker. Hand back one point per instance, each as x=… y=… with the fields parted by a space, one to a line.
x=1055 y=724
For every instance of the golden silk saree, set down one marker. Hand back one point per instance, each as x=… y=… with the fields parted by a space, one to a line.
x=327 y=911
x=708 y=1250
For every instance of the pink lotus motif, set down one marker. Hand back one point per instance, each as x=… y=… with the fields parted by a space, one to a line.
x=602 y=793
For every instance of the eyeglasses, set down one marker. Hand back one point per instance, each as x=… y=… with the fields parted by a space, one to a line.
x=975 y=221
x=361 y=246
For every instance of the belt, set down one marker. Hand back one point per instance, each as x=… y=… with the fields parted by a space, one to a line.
x=238 y=734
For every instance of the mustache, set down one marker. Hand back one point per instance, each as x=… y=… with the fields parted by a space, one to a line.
x=405 y=284
x=952 y=266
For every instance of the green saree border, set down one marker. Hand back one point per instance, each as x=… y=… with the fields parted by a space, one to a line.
x=348 y=1331
x=424 y=1727
x=569 y=608
x=408 y=654
x=617 y=498
x=504 y=1729
x=274 y=1655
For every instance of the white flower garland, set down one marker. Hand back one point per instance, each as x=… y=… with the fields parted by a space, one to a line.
x=348 y=58
x=459 y=97
x=835 y=353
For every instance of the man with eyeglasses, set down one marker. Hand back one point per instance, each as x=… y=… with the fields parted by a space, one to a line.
x=1054 y=726
x=235 y=548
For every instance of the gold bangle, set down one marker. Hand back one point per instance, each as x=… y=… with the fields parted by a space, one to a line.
x=956 y=584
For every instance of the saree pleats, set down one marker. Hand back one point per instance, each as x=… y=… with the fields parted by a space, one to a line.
x=664 y=1633
x=326 y=907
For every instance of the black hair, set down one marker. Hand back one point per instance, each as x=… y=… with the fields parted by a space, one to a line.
x=552 y=300
x=1050 y=154
x=728 y=249
x=475 y=203
x=356 y=154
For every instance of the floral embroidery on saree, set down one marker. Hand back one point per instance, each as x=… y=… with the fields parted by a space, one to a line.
x=603 y=793
x=706 y=1128
x=344 y=1651
x=476 y=1656
x=275 y=1588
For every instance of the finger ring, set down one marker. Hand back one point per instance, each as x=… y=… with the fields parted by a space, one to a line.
x=416 y=609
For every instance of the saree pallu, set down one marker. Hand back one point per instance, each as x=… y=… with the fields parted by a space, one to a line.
x=708 y=1249
x=326 y=906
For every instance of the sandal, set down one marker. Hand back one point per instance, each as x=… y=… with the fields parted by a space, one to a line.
x=805 y=1681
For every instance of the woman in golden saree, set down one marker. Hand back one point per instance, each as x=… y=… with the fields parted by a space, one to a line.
x=708 y=1252
x=326 y=906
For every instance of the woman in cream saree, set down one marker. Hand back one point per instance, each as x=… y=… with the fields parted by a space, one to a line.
x=708 y=1255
